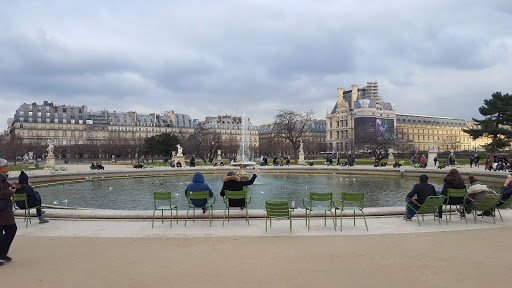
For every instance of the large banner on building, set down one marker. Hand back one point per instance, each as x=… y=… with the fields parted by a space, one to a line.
x=369 y=128
x=385 y=128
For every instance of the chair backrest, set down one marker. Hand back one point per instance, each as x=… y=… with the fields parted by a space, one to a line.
x=488 y=202
x=277 y=208
x=235 y=194
x=451 y=192
x=455 y=193
x=198 y=194
x=159 y=196
x=355 y=198
x=320 y=197
x=431 y=204
x=19 y=197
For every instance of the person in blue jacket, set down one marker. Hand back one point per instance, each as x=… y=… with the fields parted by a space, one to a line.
x=199 y=185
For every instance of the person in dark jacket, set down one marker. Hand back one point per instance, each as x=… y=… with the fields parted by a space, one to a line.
x=199 y=185
x=506 y=190
x=421 y=190
x=455 y=181
x=33 y=197
x=8 y=226
x=233 y=183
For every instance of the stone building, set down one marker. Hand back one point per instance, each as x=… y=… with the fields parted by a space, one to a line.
x=354 y=116
x=69 y=125
x=230 y=129
x=357 y=113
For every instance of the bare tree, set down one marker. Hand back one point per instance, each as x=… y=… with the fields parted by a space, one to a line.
x=203 y=143
x=367 y=140
x=291 y=126
x=12 y=146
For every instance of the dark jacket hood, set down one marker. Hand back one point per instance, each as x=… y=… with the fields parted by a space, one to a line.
x=198 y=178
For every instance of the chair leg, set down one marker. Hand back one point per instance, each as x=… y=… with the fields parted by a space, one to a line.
x=170 y=225
x=290 y=223
x=500 y=214
x=309 y=219
x=463 y=208
x=186 y=217
x=224 y=219
x=153 y=224
x=354 y=217
x=266 y=228
x=341 y=220
x=364 y=217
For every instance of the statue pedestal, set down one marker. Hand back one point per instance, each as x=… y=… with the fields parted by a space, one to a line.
x=431 y=155
x=301 y=158
x=181 y=159
x=50 y=161
x=391 y=158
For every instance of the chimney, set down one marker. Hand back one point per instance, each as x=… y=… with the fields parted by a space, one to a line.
x=353 y=96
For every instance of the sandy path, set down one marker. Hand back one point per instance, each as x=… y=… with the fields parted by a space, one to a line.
x=471 y=258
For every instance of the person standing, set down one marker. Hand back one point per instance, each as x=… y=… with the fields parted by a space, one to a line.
x=471 y=159
x=435 y=161
x=476 y=159
x=8 y=226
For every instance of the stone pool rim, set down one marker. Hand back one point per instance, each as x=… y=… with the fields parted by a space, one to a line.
x=87 y=213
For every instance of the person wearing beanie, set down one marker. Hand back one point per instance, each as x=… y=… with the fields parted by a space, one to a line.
x=33 y=197
x=8 y=226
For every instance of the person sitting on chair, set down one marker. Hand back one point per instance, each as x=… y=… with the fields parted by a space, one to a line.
x=199 y=185
x=178 y=164
x=421 y=190
x=476 y=191
x=233 y=183
x=452 y=180
x=506 y=190
x=33 y=197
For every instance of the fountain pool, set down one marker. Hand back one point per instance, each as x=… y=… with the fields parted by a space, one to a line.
x=137 y=193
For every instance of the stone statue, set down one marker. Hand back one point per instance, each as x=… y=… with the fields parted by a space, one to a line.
x=180 y=150
x=50 y=148
x=301 y=149
x=433 y=148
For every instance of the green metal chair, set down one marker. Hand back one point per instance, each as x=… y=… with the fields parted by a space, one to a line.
x=163 y=201
x=23 y=197
x=235 y=195
x=200 y=195
x=505 y=205
x=455 y=193
x=278 y=209
x=319 y=202
x=431 y=205
x=488 y=203
x=350 y=201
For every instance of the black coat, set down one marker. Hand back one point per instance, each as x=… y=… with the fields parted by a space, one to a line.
x=453 y=200
x=233 y=183
x=422 y=190
x=33 y=197
x=6 y=216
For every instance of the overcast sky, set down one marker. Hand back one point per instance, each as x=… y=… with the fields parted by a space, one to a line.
x=206 y=58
